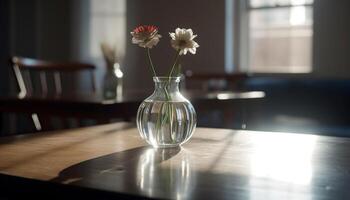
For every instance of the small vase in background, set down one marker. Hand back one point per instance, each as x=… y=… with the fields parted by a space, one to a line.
x=113 y=83
x=113 y=79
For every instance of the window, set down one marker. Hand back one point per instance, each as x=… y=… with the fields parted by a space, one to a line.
x=280 y=36
x=107 y=24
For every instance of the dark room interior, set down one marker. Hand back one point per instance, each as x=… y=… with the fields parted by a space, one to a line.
x=181 y=99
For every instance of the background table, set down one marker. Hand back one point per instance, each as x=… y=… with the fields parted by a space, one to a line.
x=94 y=106
x=113 y=161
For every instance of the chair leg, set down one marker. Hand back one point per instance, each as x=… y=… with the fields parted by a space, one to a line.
x=36 y=122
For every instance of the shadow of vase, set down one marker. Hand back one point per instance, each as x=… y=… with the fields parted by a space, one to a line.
x=142 y=170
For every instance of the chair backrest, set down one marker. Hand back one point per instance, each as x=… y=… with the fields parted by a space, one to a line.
x=43 y=68
x=25 y=68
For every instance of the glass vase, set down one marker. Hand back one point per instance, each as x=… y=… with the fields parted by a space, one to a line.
x=166 y=118
x=113 y=83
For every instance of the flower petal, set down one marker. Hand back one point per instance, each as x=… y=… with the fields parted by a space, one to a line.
x=135 y=41
x=145 y=36
x=188 y=34
x=172 y=35
x=192 y=50
x=177 y=31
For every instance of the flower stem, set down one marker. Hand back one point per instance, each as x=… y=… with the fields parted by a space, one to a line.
x=169 y=112
x=151 y=63
x=167 y=107
x=173 y=67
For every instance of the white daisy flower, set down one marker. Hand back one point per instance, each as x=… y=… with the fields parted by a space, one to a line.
x=145 y=36
x=182 y=41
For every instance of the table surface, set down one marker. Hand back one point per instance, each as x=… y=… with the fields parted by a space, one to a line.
x=214 y=164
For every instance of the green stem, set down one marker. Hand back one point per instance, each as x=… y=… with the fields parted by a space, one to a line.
x=169 y=110
x=159 y=121
x=176 y=60
x=150 y=62
x=171 y=72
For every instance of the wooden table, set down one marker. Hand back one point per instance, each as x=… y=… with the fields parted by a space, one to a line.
x=111 y=161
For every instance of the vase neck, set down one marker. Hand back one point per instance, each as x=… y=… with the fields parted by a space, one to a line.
x=171 y=84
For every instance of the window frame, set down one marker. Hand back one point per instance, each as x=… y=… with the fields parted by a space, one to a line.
x=243 y=37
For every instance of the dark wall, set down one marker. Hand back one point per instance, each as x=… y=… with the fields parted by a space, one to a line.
x=4 y=47
x=41 y=29
x=331 y=44
x=205 y=17
x=24 y=28
x=54 y=31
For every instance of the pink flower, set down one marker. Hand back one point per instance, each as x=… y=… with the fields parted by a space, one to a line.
x=145 y=36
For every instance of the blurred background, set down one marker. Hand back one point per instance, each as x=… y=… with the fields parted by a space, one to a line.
x=296 y=51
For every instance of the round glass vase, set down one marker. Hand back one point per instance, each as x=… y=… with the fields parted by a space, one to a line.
x=166 y=118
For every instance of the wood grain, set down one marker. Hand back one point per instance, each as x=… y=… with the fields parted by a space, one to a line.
x=214 y=164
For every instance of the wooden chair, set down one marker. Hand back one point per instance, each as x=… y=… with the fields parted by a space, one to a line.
x=24 y=67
